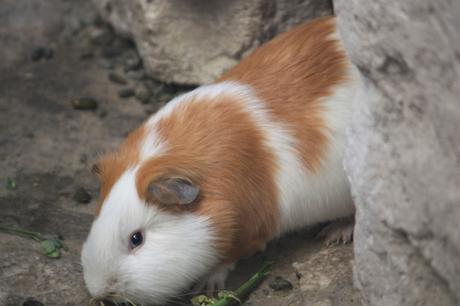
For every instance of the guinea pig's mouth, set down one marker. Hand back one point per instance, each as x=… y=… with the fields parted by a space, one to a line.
x=112 y=299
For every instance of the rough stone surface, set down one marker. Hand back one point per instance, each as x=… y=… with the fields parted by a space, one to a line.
x=403 y=157
x=193 y=42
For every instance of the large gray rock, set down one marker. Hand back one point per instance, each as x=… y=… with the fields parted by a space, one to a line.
x=403 y=159
x=195 y=41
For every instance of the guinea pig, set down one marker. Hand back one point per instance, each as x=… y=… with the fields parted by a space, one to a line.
x=220 y=171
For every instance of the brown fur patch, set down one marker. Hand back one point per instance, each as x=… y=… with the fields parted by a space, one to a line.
x=218 y=147
x=292 y=73
x=113 y=165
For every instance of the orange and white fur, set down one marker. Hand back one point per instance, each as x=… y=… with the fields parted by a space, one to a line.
x=222 y=170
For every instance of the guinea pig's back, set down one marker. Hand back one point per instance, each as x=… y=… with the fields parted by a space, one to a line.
x=307 y=85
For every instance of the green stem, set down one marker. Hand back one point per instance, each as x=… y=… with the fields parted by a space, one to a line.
x=22 y=233
x=246 y=287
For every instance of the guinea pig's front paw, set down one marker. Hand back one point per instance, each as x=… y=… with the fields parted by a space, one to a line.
x=215 y=281
x=338 y=231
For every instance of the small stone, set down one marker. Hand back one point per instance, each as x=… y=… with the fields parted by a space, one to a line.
x=48 y=53
x=32 y=302
x=112 y=51
x=279 y=283
x=325 y=302
x=133 y=63
x=126 y=92
x=106 y=63
x=83 y=158
x=116 y=78
x=98 y=20
x=87 y=54
x=153 y=85
x=82 y=196
x=84 y=103
x=102 y=114
x=143 y=94
x=100 y=35
x=137 y=75
x=37 y=54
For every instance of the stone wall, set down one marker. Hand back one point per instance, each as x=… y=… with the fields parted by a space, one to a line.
x=403 y=158
x=195 y=41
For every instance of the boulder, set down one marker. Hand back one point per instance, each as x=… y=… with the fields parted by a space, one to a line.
x=403 y=157
x=195 y=41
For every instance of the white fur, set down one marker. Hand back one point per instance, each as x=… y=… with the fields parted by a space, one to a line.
x=151 y=145
x=205 y=94
x=177 y=250
x=308 y=198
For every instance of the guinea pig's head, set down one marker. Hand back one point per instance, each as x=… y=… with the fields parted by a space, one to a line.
x=141 y=251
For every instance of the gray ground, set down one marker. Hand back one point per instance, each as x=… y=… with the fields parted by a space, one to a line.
x=47 y=148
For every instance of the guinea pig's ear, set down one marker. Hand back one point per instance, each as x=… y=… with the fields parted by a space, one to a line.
x=174 y=191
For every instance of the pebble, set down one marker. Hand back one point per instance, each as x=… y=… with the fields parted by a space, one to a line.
x=100 y=36
x=279 y=283
x=112 y=51
x=84 y=103
x=31 y=302
x=82 y=196
x=106 y=64
x=87 y=54
x=137 y=75
x=126 y=92
x=153 y=85
x=83 y=158
x=102 y=114
x=133 y=63
x=117 y=78
x=39 y=53
x=143 y=94
x=48 y=53
x=326 y=302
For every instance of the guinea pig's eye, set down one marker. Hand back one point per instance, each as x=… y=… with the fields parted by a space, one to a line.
x=136 y=239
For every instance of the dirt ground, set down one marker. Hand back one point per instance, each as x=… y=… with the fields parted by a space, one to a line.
x=52 y=53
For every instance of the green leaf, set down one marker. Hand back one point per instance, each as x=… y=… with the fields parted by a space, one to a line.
x=49 y=247
x=55 y=254
x=10 y=184
x=202 y=300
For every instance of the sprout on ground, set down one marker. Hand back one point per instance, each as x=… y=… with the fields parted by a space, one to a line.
x=51 y=247
x=113 y=299
x=227 y=298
